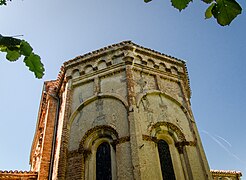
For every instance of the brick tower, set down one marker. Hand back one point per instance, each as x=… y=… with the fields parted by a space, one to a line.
x=121 y=112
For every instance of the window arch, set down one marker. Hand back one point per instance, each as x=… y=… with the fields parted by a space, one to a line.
x=103 y=162
x=171 y=135
x=165 y=160
x=98 y=146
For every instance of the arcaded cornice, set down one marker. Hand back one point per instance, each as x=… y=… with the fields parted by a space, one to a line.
x=124 y=45
x=127 y=46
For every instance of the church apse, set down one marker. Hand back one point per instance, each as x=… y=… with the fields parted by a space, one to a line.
x=121 y=112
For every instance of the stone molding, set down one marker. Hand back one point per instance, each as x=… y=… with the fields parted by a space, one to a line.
x=149 y=138
x=122 y=140
x=178 y=145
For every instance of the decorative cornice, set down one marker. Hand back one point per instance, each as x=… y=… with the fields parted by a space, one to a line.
x=124 y=45
x=18 y=174
x=128 y=46
x=226 y=172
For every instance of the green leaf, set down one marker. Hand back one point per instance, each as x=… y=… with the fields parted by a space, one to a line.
x=16 y=47
x=208 y=1
x=180 y=4
x=35 y=65
x=25 y=48
x=147 y=1
x=9 y=41
x=12 y=55
x=3 y=2
x=225 y=11
x=3 y=48
x=208 y=13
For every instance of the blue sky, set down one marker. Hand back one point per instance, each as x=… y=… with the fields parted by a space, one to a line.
x=62 y=30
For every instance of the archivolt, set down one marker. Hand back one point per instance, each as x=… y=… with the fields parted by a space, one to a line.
x=172 y=130
x=95 y=133
x=164 y=94
x=93 y=98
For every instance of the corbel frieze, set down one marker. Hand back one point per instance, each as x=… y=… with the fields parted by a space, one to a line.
x=103 y=73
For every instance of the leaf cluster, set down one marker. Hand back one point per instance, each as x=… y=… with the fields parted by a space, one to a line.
x=224 y=11
x=15 y=48
x=3 y=2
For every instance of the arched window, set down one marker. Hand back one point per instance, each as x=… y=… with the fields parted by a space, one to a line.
x=103 y=162
x=165 y=161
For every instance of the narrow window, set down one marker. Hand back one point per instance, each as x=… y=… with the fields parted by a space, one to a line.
x=103 y=162
x=165 y=161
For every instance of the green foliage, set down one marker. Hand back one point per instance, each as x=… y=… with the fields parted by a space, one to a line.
x=3 y=2
x=15 y=48
x=208 y=13
x=180 y=4
x=224 y=11
x=12 y=55
x=33 y=62
x=208 y=1
x=25 y=48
